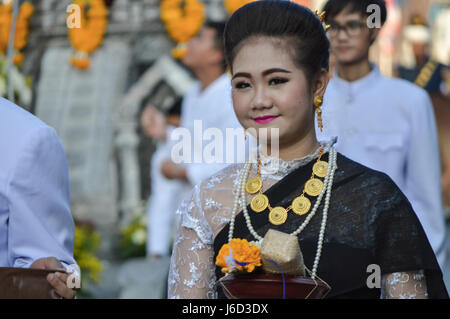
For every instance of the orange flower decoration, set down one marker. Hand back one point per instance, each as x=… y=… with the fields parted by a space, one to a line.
x=89 y=37
x=239 y=255
x=18 y=58
x=82 y=63
x=180 y=51
x=22 y=28
x=182 y=23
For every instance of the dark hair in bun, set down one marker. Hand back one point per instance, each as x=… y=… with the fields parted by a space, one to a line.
x=285 y=20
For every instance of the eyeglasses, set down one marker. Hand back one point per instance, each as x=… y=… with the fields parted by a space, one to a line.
x=351 y=28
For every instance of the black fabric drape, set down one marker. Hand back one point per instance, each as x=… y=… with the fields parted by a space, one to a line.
x=370 y=221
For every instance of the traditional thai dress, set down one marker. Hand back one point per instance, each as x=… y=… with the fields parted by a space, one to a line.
x=370 y=222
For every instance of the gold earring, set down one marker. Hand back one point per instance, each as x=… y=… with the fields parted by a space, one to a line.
x=318 y=101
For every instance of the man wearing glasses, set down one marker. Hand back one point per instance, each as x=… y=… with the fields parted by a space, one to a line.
x=384 y=123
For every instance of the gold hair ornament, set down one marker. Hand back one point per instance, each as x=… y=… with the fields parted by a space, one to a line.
x=321 y=17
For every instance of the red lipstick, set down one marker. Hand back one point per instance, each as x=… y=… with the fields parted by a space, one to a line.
x=265 y=119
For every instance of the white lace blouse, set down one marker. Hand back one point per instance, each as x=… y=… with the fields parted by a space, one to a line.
x=208 y=209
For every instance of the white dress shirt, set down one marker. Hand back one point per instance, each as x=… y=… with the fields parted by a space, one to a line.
x=214 y=108
x=35 y=218
x=388 y=125
x=166 y=195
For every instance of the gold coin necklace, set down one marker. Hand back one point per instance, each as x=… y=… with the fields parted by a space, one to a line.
x=300 y=205
x=326 y=192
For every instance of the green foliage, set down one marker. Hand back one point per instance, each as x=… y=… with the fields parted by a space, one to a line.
x=22 y=84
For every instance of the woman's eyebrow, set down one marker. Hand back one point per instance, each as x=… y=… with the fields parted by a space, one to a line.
x=274 y=70
x=264 y=73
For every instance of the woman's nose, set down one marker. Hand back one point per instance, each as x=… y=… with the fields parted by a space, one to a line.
x=261 y=100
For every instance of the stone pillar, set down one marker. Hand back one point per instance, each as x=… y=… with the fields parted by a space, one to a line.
x=80 y=106
x=165 y=69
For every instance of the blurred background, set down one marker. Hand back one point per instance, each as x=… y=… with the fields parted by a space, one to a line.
x=91 y=85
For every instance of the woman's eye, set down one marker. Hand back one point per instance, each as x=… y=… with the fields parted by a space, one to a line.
x=276 y=81
x=241 y=85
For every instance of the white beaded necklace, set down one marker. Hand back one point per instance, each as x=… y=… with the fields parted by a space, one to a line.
x=328 y=183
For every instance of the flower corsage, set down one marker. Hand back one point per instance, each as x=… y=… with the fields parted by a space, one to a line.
x=239 y=255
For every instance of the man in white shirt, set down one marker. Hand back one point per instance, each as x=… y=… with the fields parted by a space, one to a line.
x=208 y=104
x=384 y=123
x=166 y=194
x=36 y=226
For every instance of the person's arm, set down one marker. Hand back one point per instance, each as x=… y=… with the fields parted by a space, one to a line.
x=423 y=173
x=191 y=273
x=154 y=123
x=40 y=221
x=171 y=170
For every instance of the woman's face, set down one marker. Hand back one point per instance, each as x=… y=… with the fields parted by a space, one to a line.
x=269 y=91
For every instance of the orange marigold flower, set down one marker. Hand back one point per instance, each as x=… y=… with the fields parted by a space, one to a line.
x=90 y=35
x=80 y=63
x=180 y=51
x=240 y=255
x=18 y=58
x=182 y=23
x=22 y=26
x=27 y=10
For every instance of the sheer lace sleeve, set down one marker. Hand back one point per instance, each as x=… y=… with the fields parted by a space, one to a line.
x=404 y=285
x=206 y=211
x=191 y=273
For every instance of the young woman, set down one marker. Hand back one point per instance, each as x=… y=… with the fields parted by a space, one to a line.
x=346 y=216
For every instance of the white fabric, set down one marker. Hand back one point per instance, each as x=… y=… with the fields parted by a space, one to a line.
x=214 y=108
x=35 y=218
x=417 y=33
x=166 y=196
x=388 y=125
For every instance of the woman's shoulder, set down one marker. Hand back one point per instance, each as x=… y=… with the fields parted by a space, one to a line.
x=370 y=193
x=211 y=200
x=223 y=178
x=206 y=208
x=370 y=180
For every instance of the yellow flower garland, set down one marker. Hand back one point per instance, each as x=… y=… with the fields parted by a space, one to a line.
x=232 y=5
x=86 y=245
x=22 y=28
x=89 y=37
x=182 y=24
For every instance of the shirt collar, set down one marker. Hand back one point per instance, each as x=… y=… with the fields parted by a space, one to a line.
x=362 y=83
